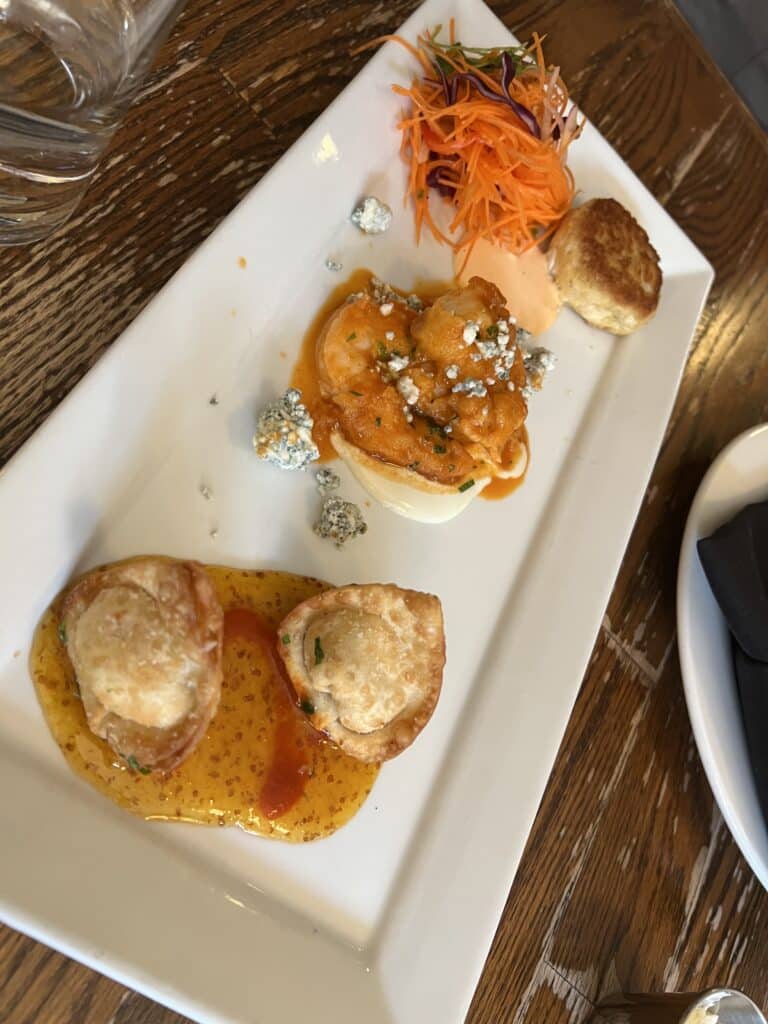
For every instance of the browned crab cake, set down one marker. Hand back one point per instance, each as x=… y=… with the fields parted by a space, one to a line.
x=366 y=662
x=605 y=267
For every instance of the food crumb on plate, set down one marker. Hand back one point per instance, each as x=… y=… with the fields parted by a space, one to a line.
x=206 y=492
x=372 y=216
x=340 y=521
x=333 y=265
x=326 y=481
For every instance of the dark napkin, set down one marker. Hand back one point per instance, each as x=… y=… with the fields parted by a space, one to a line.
x=735 y=561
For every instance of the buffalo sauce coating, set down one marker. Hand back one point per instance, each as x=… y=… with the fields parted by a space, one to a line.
x=304 y=374
x=324 y=413
x=260 y=765
x=501 y=486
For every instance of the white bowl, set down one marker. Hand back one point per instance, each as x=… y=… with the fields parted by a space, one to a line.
x=737 y=477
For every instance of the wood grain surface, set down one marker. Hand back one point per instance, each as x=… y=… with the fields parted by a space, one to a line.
x=630 y=877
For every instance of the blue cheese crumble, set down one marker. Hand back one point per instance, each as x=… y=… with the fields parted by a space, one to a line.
x=538 y=363
x=340 y=521
x=470 y=332
x=382 y=292
x=471 y=386
x=397 y=364
x=372 y=216
x=408 y=390
x=488 y=349
x=326 y=481
x=284 y=433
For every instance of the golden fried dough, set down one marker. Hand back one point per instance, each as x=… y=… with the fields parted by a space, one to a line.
x=145 y=640
x=605 y=267
x=366 y=662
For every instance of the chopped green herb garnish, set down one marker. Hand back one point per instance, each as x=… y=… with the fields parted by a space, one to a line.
x=378 y=421
x=62 y=632
x=319 y=652
x=307 y=707
x=492 y=331
x=134 y=765
x=466 y=485
x=358 y=394
x=435 y=427
x=440 y=449
x=420 y=194
x=352 y=336
x=446 y=54
x=286 y=638
x=381 y=350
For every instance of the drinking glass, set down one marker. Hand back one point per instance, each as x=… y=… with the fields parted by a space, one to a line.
x=68 y=71
x=715 y=1006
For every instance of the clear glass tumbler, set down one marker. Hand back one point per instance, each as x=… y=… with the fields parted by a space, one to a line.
x=68 y=71
x=715 y=1006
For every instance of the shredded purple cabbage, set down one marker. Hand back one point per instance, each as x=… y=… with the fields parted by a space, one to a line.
x=450 y=88
x=507 y=74
x=433 y=177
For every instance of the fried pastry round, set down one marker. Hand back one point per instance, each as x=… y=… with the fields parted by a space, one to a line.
x=366 y=662
x=145 y=641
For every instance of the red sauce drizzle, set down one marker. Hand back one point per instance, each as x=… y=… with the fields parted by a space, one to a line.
x=292 y=760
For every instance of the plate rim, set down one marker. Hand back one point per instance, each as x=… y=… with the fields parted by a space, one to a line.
x=688 y=672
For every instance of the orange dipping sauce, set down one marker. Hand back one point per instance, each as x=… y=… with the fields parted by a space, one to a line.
x=524 y=281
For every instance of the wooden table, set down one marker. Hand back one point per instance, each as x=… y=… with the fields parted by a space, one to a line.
x=629 y=873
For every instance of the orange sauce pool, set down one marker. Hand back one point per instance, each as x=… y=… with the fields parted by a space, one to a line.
x=260 y=765
x=500 y=487
x=304 y=375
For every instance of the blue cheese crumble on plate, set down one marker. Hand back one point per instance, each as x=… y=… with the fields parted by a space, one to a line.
x=340 y=521
x=284 y=433
x=326 y=481
x=538 y=362
x=372 y=216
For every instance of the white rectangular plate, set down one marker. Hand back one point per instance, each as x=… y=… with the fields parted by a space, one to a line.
x=391 y=918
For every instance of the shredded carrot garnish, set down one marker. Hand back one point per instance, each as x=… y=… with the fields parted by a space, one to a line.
x=488 y=130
